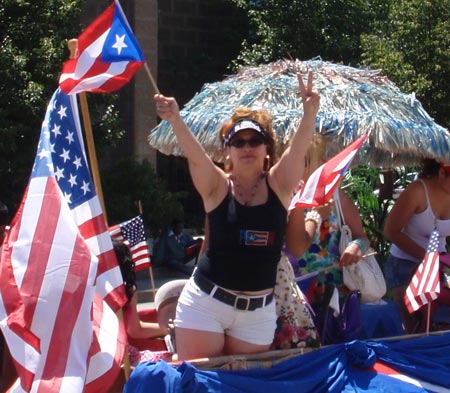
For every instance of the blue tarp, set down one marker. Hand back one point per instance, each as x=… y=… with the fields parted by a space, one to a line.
x=339 y=368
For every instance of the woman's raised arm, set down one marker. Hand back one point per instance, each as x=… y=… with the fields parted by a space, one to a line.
x=206 y=176
x=290 y=168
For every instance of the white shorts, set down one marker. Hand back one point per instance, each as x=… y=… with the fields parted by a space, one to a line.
x=198 y=310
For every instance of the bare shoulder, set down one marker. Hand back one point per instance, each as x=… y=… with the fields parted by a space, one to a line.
x=412 y=198
x=414 y=190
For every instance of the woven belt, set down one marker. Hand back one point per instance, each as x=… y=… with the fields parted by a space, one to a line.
x=245 y=303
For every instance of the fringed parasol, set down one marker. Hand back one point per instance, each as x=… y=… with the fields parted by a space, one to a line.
x=353 y=101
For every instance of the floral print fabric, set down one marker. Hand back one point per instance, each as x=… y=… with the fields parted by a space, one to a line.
x=295 y=326
x=323 y=253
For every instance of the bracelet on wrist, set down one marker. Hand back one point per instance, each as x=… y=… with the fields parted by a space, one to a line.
x=313 y=216
x=361 y=244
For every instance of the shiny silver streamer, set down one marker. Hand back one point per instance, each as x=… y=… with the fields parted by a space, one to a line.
x=353 y=101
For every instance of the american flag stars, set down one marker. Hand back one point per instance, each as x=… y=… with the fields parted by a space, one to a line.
x=60 y=147
x=425 y=284
x=132 y=233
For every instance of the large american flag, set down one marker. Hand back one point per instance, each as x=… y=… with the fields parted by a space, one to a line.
x=322 y=183
x=132 y=233
x=425 y=284
x=108 y=55
x=60 y=283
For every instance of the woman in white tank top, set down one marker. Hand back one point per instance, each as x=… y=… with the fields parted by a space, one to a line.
x=423 y=206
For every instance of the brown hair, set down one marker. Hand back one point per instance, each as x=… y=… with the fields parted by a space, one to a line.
x=263 y=117
x=316 y=154
x=430 y=168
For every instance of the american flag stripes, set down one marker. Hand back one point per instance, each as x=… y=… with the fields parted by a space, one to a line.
x=322 y=183
x=425 y=284
x=60 y=283
x=108 y=55
x=132 y=233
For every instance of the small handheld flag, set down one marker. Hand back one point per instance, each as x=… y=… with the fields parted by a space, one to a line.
x=108 y=55
x=132 y=233
x=324 y=180
x=425 y=284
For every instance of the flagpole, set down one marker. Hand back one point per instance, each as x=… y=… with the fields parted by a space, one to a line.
x=72 y=45
x=152 y=281
x=428 y=318
x=150 y=76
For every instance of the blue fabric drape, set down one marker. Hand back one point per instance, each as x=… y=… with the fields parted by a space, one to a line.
x=338 y=368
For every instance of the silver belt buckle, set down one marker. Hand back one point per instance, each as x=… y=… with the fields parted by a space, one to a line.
x=236 y=301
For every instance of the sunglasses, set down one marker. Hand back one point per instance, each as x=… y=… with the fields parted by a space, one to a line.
x=240 y=143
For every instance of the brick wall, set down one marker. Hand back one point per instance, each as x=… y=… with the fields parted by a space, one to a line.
x=186 y=43
x=146 y=28
x=197 y=40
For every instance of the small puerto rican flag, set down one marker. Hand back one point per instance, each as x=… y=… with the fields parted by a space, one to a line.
x=322 y=183
x=250 y=237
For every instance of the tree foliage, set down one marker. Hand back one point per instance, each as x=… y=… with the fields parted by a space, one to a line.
x=34 y=36
x=412 y=46
x=128 y=182
x=305 y=29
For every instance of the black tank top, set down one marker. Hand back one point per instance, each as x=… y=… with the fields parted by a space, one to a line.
x=244 y=243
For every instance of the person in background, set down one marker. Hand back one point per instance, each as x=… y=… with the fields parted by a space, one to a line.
x=181 y=248
x=226 y=307
x=312 y=235
x=423 y=206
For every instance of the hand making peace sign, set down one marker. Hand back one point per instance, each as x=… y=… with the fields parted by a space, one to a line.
x=310 y=98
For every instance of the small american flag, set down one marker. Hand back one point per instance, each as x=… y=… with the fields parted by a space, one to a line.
x=132 y=233
x=425 y=284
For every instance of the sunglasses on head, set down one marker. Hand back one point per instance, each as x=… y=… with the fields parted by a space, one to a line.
x=239 y=143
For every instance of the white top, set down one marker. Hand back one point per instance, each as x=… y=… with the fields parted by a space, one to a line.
x=419 y=228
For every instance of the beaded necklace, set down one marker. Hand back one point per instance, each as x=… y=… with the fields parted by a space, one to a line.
x=241 y=192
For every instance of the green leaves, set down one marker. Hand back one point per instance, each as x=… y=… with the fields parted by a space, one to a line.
x=306 y=29
x=412 y=47
x=33 y=48
x=128 y=182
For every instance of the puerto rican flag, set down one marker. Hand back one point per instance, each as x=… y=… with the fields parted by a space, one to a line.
x=107 y=56
x=256 y=238
x=60 y=283
x=324 y=180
